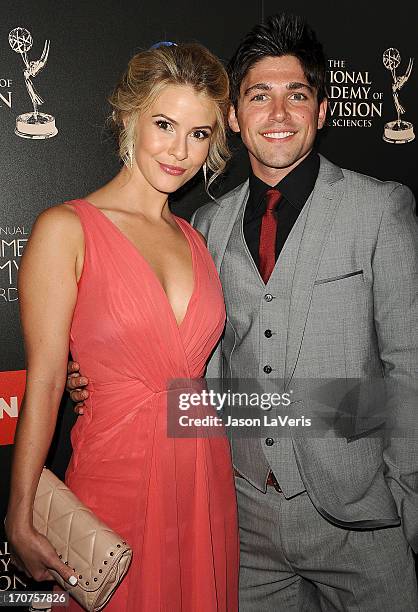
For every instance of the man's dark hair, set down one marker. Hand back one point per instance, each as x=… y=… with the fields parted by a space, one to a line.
x=281 y=35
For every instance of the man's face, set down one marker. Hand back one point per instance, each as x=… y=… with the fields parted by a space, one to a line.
x=278 y=116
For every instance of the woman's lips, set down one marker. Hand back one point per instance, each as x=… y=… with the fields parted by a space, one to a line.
x=173 y=170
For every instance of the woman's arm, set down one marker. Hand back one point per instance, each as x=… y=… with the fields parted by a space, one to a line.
x=47 y=292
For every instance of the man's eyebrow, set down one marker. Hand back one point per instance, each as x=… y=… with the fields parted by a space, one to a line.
x=198 y=127
x=267 y=87
x=259 y=86
x=296 y=85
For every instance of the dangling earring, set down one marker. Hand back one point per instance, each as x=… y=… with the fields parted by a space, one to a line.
x=205 y=174
x=130 y=155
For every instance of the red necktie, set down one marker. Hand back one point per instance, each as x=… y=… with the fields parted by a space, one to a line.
x=267 y=246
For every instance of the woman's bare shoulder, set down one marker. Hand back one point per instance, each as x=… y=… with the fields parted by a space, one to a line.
x=61 y=217
x=58 y=227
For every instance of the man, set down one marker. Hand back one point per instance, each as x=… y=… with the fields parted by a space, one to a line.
x=319 y=268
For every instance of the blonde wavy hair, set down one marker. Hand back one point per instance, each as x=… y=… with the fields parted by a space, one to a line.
x=149 y=72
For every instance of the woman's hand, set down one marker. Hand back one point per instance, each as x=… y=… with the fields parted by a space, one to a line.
x=34 y=555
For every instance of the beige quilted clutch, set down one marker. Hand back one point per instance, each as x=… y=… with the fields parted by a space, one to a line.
x=99 y=557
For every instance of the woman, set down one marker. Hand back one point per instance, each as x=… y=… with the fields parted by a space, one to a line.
x=132 y=291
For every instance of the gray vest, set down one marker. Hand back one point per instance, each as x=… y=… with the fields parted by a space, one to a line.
x=247 y=352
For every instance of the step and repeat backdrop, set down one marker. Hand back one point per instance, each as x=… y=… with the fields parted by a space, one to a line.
x=71 y=54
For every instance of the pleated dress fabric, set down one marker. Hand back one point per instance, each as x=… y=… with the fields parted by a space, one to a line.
x=172 y=498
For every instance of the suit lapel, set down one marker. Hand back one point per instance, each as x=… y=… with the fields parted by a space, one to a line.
x=223 y=222
x=323 y=207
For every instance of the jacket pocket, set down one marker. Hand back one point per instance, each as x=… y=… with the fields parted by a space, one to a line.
x=368 y=433
x=337 y=278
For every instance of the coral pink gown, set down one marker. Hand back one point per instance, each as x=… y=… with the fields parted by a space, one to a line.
x=173 y=499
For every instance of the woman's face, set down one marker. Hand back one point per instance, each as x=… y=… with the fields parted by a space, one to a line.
x=173 y=137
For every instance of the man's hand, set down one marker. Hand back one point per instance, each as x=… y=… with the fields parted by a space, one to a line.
x=75 y=384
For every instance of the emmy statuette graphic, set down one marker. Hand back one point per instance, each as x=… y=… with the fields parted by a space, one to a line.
x=398 y=131
x=35 y=124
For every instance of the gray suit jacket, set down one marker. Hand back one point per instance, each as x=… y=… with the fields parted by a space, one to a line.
x=353 y=314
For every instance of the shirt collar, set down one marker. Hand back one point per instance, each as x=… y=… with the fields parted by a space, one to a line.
x=295 y=186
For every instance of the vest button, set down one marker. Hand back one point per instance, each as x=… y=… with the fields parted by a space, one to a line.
x=268 y=333
x=267 y=369
x=268 y=297
x=269 y=441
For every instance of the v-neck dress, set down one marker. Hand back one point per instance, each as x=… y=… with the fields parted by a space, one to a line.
x=172 y=498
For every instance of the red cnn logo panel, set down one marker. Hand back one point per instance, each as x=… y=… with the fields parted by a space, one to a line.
x=12 y=388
